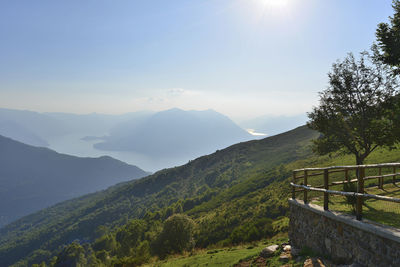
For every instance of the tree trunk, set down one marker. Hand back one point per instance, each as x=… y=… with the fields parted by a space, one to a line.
x=359 y=161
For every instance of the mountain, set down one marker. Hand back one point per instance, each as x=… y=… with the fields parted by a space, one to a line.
x=94 y=123
x=39 y=124
x=151 y=140
x=224 y=191
x=54 y=124
x=175 y=132
x=33 y=178
x=19 y=133
x=271 y=125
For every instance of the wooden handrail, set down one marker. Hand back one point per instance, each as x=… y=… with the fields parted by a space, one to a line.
x=352 y=167
x=342 y=193
x=361 y=177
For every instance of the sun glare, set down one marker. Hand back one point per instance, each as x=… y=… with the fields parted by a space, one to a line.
x=274 y=3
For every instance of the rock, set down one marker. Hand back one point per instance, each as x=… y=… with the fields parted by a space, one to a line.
x=260 y=261
x=355 y=264
x=313 y=262
x=268 y=251
x=285 y=257
x=287 y=248
x=328 y=244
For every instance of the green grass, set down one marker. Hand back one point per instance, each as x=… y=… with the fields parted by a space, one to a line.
x=216 y=257
x=220 y=256
x=380 y=211
x=231 y=256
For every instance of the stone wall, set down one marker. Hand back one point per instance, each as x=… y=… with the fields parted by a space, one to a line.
x=341 y=237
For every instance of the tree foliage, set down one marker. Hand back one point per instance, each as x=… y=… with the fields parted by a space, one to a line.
x=355 y=113
x=388 y=37
x=177 y=235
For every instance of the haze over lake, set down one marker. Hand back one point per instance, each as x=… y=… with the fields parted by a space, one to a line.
x=74 y=145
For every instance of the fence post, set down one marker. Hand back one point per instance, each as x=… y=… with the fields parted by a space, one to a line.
x=294 y=188
x=394 y=175
x=305 y=191
x=380 y=181
x=346 y=175
x=326 y=186
x=360 y=189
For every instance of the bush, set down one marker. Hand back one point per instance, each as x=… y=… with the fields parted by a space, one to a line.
x=176 y=236
x=351 y=200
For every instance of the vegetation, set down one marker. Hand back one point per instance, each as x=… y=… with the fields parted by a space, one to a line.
x=354 y=114
x=234 y=196
x=234 y=190
x=388 y=37
x=351 y=200
x=228 y=256
x=176 y=236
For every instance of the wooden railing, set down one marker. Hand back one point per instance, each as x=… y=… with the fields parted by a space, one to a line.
x=360 y=170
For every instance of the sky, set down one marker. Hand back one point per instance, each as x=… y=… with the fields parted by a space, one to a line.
x=243 y=58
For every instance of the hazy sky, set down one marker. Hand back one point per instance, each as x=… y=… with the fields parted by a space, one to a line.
x=244 y=58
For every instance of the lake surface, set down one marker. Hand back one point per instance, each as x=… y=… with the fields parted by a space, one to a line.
x=73 y=144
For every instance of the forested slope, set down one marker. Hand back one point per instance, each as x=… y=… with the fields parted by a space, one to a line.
x=33 y=178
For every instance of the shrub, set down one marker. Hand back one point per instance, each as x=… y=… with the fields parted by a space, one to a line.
x=351 y=200
x=176 y=236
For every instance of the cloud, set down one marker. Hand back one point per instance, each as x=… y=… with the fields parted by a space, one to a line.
x=174 y=92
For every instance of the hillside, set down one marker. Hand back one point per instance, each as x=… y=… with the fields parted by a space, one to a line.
x=33 y=178
x=175 y=132
x=226 y=180
x=272 y=125
x=238 y=194
x=19 y=133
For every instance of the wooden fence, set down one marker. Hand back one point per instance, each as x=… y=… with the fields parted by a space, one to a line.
x=304 y=174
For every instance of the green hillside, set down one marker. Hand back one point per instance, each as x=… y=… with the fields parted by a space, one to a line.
x=235 y=195
x=198 y=187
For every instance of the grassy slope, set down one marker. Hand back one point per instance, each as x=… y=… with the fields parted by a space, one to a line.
x=228 y=256
x=214 y=257
x=221 y=179
x=376 y=210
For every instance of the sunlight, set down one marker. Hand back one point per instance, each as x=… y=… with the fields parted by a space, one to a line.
x=274 y=3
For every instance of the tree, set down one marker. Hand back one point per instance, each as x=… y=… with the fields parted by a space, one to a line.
x=388 y=38
x=129 y=236
x=75 y=255
x=176 y=236
x=355 y=113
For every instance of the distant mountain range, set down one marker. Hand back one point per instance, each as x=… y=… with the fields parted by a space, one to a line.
x=20 y=133
x=170 y=132
x=30 y=127
x=153 y=140
x=175 y=132
x=36 y=128
x=32 y=178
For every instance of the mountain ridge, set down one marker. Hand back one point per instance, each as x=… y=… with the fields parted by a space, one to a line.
x=35 y=177
x=176 y=131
